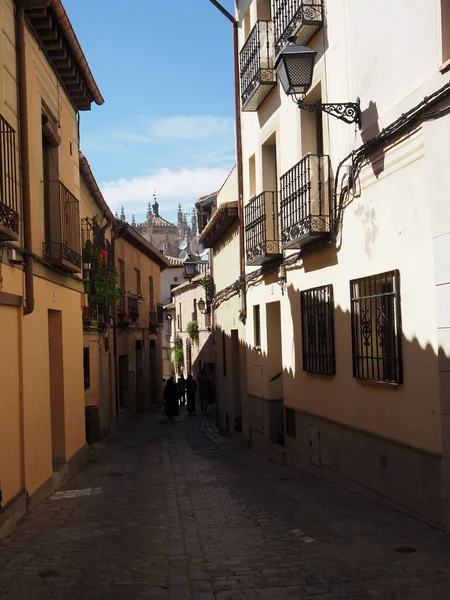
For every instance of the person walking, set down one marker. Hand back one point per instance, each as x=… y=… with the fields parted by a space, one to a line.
x=181 y=391
x=171 y=399
x=191 y=389
x=203 y=389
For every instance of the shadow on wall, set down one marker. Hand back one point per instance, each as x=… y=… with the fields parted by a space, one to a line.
x=369 y=129
x=383 y=440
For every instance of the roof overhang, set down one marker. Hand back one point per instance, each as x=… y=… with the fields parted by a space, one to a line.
x=52 y=28
x=91 y=182
x=221 y=221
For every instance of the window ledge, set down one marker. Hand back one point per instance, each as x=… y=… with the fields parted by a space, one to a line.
x=381 y=384
x=319 y=375
x=445 y=66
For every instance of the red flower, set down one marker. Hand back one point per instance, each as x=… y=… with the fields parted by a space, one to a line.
x=104 y=253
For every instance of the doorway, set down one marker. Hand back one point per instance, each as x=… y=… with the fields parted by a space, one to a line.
x=140 y=377
x=56 y=373
x=153 y=358
x=236 y=368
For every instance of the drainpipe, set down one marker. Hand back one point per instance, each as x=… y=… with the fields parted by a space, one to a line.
x=239 y=162
x=25 y=156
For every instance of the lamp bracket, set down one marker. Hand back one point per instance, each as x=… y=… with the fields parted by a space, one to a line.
x=349 y=112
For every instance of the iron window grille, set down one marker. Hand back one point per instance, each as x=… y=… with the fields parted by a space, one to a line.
x=305 y=192
x=256 y=61
x=156 y=315
x=318 y=330
x=133 y=307
x=257 y=325
x=9 y=199
x=261 y=228
x=376 y=327
x=301 y=19
x=64 y=246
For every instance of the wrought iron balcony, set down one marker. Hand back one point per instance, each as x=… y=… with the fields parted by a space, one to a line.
x=301 y=19
x=156 y=315
x=261 y=229
x=258 y=76
x=64 y=244
x=128 y=310
x=9 y=199
x=305 y=201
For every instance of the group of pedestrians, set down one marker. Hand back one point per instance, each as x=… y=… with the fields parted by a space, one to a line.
x=178 y=394
x=183 y=392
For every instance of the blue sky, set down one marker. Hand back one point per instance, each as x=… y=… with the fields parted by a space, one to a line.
x=165 y=70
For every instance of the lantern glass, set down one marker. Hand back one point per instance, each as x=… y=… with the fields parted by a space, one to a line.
x=295 y=69
x=190 y=268
x=201 y=305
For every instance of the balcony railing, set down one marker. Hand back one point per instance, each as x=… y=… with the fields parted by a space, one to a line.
x=128 y=309
x=9 y=200
x=257 y=66
x=301 y=19
x=64 y=245
x=261 y=229
x=305 y=201
x=156 y=315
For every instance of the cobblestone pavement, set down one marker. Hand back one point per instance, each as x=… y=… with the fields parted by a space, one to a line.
x=164 y=513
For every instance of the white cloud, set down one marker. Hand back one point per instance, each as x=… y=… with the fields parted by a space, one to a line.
x=173 y=187
x=201 y=127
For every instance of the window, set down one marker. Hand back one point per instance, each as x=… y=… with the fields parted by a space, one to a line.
x=376 y=328
x=318 y=330
x=180 y=321
x=289 y=416
x=188 y=357
x=445 y=29
x=194 y=312
x=151 y=290
x=86 y=368
x=257 y=325
x=138 y=282
x=252 y=175
x=224 y=353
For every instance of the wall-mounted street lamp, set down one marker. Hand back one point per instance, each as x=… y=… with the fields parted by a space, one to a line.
x=190 y=267
x=202 y=307
x=295 y=69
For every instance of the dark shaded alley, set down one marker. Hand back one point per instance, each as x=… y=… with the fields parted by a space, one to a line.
x=165 y=511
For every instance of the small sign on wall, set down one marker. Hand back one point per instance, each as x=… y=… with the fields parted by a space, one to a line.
x=131 y=367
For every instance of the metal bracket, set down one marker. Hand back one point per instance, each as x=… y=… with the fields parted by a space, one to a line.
x=349 y=112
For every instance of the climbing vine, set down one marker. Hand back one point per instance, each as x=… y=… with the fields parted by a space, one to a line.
x=178 y=357
x=193 y=332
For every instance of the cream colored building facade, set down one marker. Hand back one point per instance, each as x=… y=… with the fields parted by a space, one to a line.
x=196 y=355
x=347 y=254
x=139 y=323
x=42 y=420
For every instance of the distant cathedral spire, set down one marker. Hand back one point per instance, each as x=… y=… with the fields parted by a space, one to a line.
x=180 y=217
x=133 y=222
x=117 y=215
x=122 y=214
x=155 y=205
x=149 y=210
x=194 y=223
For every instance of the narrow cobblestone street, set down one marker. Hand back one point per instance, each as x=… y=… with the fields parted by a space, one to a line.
x=165 y=513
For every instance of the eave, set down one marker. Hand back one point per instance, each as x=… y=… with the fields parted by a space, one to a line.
x=92 y=184
x=53 y=30
x=222 y=220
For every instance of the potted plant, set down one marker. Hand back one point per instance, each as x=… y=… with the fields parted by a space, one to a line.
x=193 y=332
